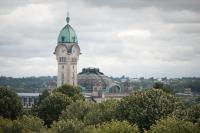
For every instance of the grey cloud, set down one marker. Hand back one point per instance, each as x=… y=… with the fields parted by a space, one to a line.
x=183 y=16
x=8 y=6
x=161 y=4
x=180 y=54
x=188 y=28
x=145 y=38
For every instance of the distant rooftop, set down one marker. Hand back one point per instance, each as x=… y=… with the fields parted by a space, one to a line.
x=28 y=94
x=91 y=70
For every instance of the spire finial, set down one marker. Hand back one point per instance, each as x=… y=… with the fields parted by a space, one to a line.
x=67 y=19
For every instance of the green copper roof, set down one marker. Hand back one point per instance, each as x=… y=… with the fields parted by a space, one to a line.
x=67 y=34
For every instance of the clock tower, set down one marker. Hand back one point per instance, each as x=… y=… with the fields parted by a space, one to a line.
x=67 y=54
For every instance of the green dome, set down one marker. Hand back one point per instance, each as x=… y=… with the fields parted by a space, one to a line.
x=67 y=34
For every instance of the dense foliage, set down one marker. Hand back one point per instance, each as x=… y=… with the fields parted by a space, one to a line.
x=68 y=126
x=101 y=112
x=65 y=110
x=144 y=108
x=172 y=125
x=35 y=108
x=10 y=103
x=193 y=114
x=77 y=110
x=112 y=127
x=91 y=113
x=24 y=124
x=52 y=106
x=28 y=84
x=178 y=85
x=71 y=91
x=44 y=94
x=38 y=84
x=163 y=87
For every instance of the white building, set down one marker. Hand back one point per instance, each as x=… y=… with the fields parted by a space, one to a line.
x=28 y=99
x=67 y=54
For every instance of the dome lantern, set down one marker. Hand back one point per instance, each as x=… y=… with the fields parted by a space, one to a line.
x=67 y=34
x=68 y=18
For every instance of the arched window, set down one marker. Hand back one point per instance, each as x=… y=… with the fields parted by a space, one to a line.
x=63 y=38
x=62 y=59
x=62 y=78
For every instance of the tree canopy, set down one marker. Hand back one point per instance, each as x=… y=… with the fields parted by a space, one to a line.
x=77 y=110
x=24 y=124
x=52 y=106
x=173 y=125
x=44 y=94
x=166 y=88
x=68 y=126
x=101 y=112
x=10 y=103
x=91 y=113
x=112 y=127
x=144 y=108
x=193 y=114
x=66 y=110
x=71 y=91
x=27 y=84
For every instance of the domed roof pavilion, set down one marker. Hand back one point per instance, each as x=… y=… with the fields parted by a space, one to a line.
x=90 y=78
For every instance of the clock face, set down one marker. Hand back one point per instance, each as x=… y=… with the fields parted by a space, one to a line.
x=75 y=51
x=62 y=51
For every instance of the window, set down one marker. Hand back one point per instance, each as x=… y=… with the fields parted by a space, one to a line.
x=25 y=100
x=62 y=78
x=62 y=59
x=73 y=78
x=73 y=38
x=30 y=101
x=74 y=60
x=63 y=38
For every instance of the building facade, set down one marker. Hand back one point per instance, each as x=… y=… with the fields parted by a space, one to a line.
x=67 y=54
x=28 y=99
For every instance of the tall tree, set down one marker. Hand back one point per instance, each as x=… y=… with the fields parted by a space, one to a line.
x=158 y=85
x=77 y=110
x=44 y=94
x=73 y=92
x=144 y=108
x=10 y=103
x=101 y=112
x=34 y=109
x=164 y=87
x=52 y=106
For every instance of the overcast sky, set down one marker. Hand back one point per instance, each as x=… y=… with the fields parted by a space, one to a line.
x=149 y=38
